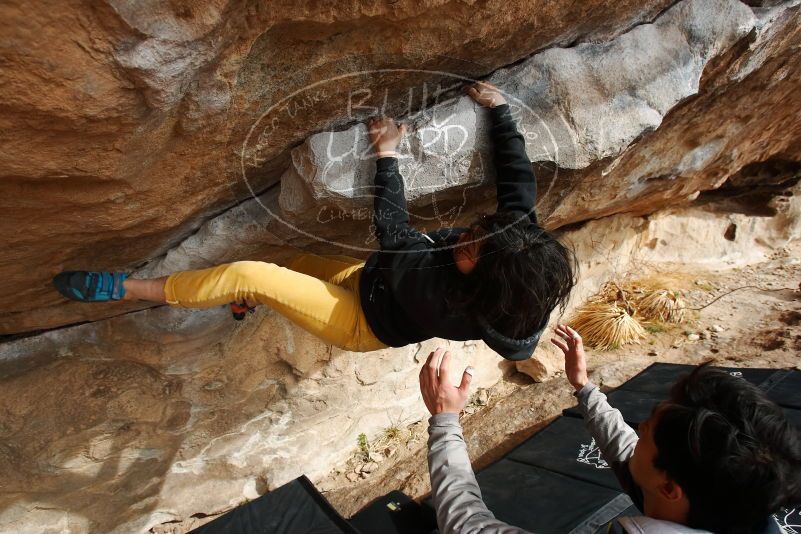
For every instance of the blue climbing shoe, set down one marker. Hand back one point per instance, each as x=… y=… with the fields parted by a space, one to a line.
x=90 y=286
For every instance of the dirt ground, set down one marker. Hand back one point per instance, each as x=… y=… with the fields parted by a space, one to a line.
x=756 y=326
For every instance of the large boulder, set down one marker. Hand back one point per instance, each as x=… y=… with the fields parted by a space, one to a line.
x=633 y=117
x=124 y=124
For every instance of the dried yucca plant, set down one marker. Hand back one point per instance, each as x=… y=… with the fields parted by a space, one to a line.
x=609 y=293
x=662 y=305
x=605 y=325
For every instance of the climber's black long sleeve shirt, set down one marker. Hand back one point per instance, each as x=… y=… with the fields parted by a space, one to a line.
x=404 y=285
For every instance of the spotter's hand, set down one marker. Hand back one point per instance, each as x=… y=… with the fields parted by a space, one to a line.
x=575 y=359
x=439 y=393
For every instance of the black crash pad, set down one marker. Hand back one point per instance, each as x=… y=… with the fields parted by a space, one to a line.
x=294 y=508
x=789 y=520
x=565 y=447
x=545 y=502
x=657 y=378
x=660 y=377
x=636 y=406
x=786 y=391
x=395 y=512
x=637 y=397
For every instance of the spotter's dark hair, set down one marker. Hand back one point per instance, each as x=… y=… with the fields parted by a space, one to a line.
x=731 y=450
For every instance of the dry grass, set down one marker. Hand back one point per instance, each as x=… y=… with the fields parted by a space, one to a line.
x=662 y=305
x=621 y=314
x=606 y=326
x=678 y=281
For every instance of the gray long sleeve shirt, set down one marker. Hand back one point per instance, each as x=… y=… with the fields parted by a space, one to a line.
x=457 y=497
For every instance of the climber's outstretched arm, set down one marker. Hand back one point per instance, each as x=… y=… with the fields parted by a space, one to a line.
x=515 y=181
x=390 y=216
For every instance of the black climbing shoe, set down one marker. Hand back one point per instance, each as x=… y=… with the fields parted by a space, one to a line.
x=239 y=310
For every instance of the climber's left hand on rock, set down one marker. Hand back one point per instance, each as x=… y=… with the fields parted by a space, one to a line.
x=385 y=136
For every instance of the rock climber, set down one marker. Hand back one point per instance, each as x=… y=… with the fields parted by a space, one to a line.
x=717 y=456
x=498 y=280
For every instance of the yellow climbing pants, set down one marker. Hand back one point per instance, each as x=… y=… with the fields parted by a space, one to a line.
x=318 y=293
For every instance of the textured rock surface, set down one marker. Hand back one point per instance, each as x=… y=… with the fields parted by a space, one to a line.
x=738 y=122
x=571 y=108
x=126 y=135
x=165 y=413
x=323 y=203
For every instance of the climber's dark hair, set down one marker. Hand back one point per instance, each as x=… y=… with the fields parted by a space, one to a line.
x=731 y=450
x=522 y=274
